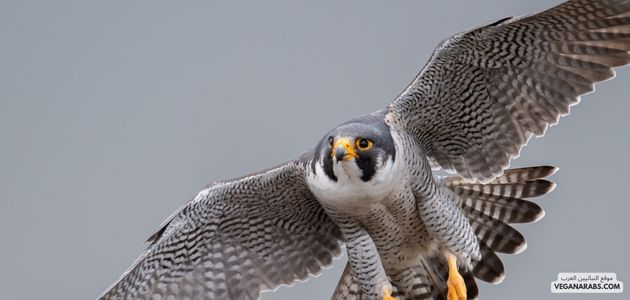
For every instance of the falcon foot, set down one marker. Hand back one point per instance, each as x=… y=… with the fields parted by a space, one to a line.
x=387 y=293
x=455 y=282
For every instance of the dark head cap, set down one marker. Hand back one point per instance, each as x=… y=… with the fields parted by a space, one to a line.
x=365 y=141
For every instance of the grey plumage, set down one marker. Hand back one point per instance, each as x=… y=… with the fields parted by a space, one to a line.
x=368 y=184
x=489 y=211
x=235 y=239
x=485 y=92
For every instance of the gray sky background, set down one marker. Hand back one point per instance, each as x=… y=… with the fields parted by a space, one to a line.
x=114 y=113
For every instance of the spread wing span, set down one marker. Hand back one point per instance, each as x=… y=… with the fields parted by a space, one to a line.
x=235 y=239
x=485 y=92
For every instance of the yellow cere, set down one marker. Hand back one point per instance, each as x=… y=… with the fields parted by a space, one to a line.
x=348 y=147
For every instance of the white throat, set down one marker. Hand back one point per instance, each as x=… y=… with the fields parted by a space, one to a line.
x=350 y=191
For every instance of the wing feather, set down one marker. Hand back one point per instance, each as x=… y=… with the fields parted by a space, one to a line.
x=485 y=92
x=236 y=239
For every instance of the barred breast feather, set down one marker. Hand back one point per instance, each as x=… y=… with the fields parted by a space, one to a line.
x=490 y=208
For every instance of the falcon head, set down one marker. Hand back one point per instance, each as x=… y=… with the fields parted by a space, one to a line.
x=362 y=149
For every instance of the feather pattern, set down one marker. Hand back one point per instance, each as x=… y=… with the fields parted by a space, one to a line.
x=491 y=207
x=471 y=109
x=485 y=92
x=427 y=281
x=489 y=211
x=235 y=239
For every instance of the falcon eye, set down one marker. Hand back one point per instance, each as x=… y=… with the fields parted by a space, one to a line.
x=364 y=144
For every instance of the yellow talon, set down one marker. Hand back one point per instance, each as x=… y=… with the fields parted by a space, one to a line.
x=455 y=282
x=387 y=293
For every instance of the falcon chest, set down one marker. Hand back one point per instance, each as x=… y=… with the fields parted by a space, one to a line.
x=349 y=192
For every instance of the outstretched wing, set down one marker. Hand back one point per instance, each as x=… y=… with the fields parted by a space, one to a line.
x=485 y=92
x=235 y=239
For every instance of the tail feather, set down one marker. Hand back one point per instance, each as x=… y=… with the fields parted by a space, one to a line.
x=525 y=174
x=505 y=209
x=491 y=207
x=511 y=175
x=437 y=273
x=490 y=267
x=347 y=287
x=495 y=234
x=527 y=189
x=413 y=283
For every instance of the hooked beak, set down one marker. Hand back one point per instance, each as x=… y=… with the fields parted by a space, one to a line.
x=343 y=149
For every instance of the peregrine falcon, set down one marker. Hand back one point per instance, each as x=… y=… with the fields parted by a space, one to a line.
x=369 y=184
